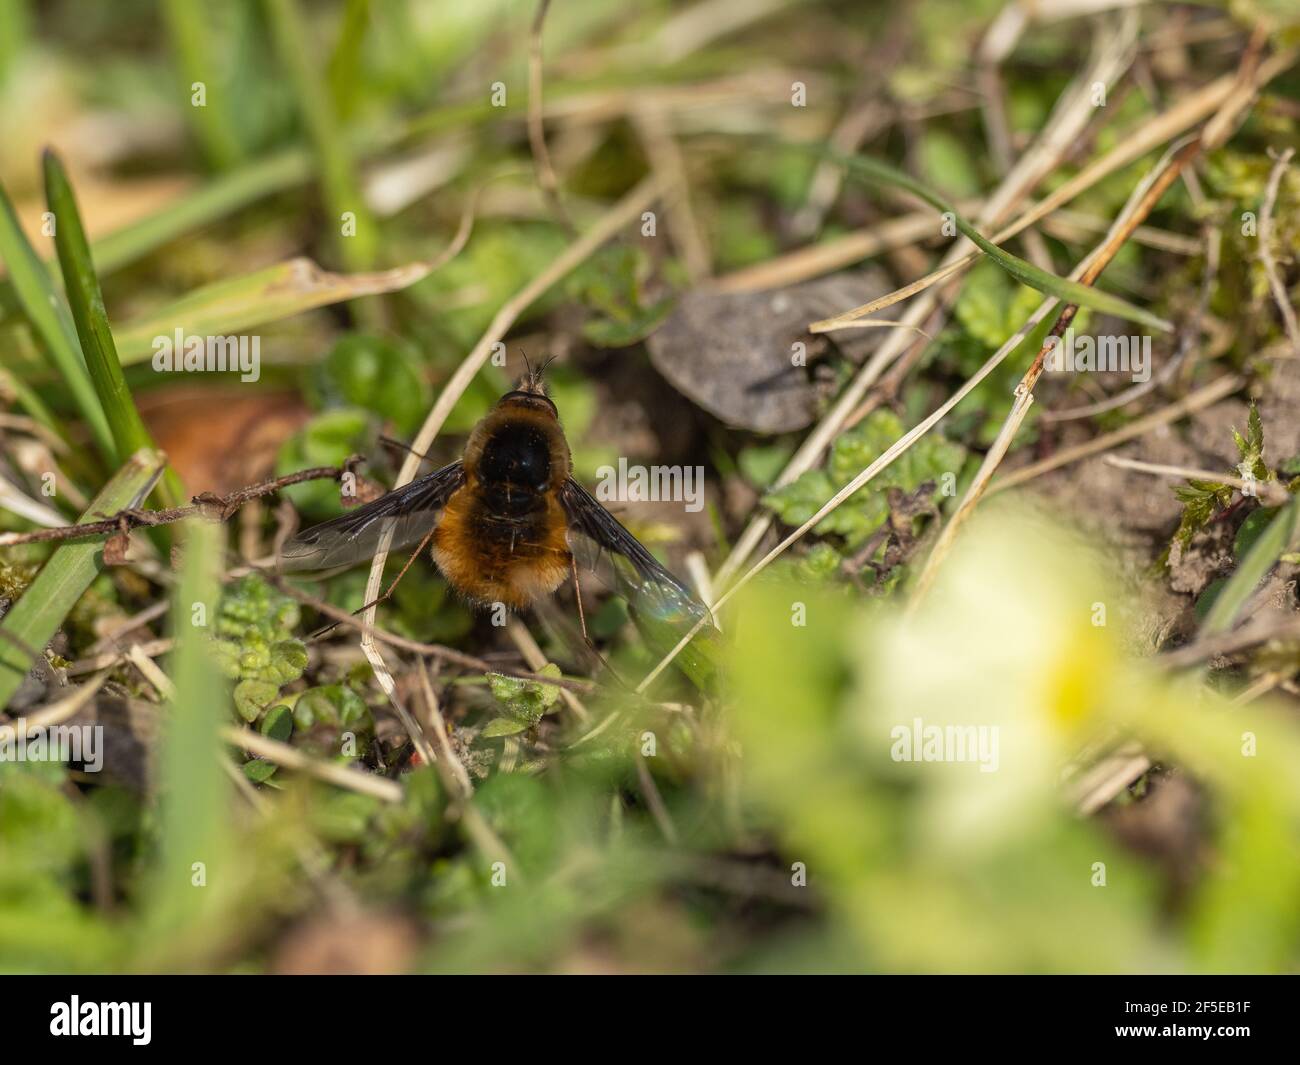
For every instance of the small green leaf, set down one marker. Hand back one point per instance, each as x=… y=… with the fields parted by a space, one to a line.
x=253 y=696
x=278 y=723
x=91 y=319
x=382 y=375
x=288 y=660
x=506 y=688
x=548 y=693
x=821 y=561
x=322 y=716
x=526 y=700
x=504 y=726
x=259 y=771
x=799 y=500
x=1200 y=499
x=33 y=620
x=1256 y=522
x=1251 y=446
x=762 y=463
x=335 y=705
x=1275 y=539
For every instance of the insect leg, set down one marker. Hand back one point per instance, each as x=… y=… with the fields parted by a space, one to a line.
x=375 y=602
x=582 y=624
x=577 y=595
x=414 y=555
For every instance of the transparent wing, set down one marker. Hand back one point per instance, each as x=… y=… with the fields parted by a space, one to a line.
x=411 y=512
x=662 y=606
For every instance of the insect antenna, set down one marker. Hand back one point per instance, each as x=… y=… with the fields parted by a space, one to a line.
x=388 y=441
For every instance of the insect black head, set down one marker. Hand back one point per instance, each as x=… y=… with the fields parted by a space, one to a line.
x=530 y=387
x=532 y=380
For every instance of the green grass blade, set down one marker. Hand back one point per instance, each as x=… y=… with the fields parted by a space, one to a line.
x=194 y=813
x=212 y=124
x=1025 y=272
x=345 y=74
x=15 y=33
x=32 y=403
x=87 y=303
x=43 y=304
x=1252 y=569
x=202 y=206
x=206 y=204
x=224 y=308
x=35 y=618
x=333 y=149
x=254 y=180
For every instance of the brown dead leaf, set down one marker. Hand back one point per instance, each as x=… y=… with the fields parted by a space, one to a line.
x=115 y=549
x=734 y=354
x=221 y=438
x=367 y=944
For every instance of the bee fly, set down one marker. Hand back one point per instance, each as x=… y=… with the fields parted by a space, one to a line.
x=508 y=524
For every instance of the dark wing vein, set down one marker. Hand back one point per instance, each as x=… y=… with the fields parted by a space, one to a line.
x=410 y=511
x=587 y=516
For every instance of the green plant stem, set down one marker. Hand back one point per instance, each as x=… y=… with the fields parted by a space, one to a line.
x=48 y=314
x=35 y=618
x=91 y=318
x=1272 y=543
x=194 y=822
x=1027 y=273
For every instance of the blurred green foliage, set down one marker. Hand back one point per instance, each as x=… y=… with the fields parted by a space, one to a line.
x=383 y=375
x=612 y=284
x=254 y=644
x=523 y=701
x=761 y=819
x=333 y=720
x=932 y=459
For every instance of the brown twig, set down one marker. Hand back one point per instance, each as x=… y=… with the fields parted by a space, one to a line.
x=1271 y=493
x=206 y=505
x=1189 y=334
x=1266 y=260
x=1066 y=125
x=536 y=130
x=1223 y=644
x=1215 y=132
x=1194 y=401
x=432 y=650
